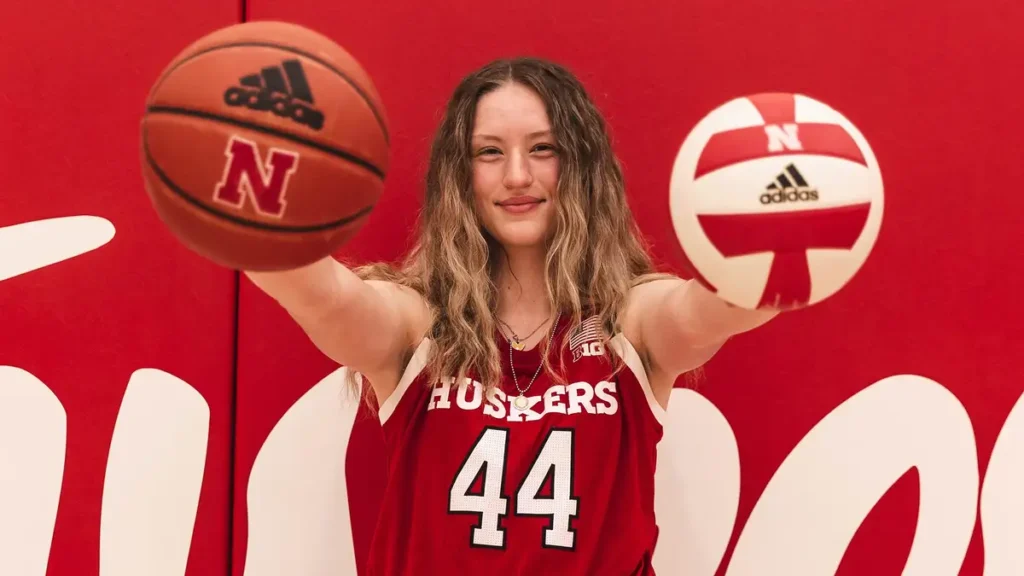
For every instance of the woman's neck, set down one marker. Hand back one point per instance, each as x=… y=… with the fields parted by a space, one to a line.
x=522 y=289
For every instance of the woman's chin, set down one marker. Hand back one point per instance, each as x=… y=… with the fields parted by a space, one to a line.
x=520 y=237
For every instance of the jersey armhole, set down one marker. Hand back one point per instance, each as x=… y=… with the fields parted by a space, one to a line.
x=624 y=348
x=416 y=364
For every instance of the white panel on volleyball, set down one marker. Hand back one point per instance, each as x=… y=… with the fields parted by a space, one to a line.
x=820 y=261
x=738 y=113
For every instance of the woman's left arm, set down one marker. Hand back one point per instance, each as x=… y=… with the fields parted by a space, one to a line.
x=678 y=325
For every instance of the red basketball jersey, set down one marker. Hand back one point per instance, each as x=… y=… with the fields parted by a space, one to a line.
x=564 y=486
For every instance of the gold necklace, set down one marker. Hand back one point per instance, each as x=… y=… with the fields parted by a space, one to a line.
x=521 y=402
x=517 y=342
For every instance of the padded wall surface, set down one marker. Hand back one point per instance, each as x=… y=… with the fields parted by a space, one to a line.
x=125 y=449
x=116 y=344
x=930 y=90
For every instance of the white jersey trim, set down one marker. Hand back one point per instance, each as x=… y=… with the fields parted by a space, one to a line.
x=416 y=365
x=624 y=348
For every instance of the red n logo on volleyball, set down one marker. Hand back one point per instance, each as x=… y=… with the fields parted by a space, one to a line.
x=247 y=175
x=783 y=137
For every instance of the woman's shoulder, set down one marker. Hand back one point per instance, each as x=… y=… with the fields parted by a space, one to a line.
x=642 y=302
x=409 y=303
x=646 y=290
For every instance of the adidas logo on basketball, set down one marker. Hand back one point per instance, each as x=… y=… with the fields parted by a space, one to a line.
x=789 y=186
x=282 y=90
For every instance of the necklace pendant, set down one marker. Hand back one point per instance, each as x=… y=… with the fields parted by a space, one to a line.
x=517 y=344
x=521 y=402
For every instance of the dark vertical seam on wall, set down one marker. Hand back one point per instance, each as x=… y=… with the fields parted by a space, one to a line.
x=235 y=362
x=233 y=425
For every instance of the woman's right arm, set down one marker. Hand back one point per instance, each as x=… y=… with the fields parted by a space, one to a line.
x=369 y=326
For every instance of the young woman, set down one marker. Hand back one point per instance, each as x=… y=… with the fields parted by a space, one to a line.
x=523 y=355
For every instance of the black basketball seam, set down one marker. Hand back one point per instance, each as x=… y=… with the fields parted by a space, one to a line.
x=359 y=90
x=338 y=152
x=243 y=221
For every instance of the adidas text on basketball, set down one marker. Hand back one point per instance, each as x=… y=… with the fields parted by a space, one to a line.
x=282 y=90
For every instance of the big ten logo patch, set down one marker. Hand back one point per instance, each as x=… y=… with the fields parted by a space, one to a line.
x=585 y=340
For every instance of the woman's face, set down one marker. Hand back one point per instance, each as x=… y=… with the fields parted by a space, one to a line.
x=515 y=166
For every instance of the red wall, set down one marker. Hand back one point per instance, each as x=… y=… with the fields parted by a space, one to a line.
x=931 y=88
x=74 y=78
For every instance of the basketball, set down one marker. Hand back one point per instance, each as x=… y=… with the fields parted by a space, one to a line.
x=776 y=200
x=264 y=146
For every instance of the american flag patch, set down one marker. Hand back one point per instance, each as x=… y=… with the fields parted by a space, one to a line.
x=588 y=331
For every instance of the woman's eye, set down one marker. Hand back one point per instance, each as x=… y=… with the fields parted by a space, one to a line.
x=544 y=148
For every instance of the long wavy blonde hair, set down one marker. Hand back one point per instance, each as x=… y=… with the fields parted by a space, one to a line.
x=596 y=253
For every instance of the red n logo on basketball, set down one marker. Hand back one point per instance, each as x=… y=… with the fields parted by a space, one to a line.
x=265 y=183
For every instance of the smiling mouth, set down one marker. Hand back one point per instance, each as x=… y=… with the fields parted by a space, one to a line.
x=520 y=201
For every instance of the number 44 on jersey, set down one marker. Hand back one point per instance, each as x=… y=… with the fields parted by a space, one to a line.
x=486 y=460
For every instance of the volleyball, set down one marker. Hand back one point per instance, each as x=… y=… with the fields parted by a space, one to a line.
x=776 y=199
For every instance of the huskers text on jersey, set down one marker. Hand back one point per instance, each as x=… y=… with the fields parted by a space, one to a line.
x=574 y=398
